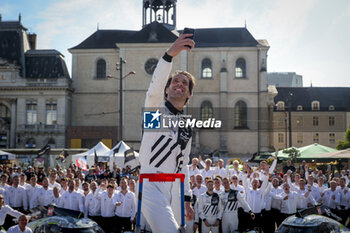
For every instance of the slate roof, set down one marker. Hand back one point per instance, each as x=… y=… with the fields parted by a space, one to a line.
x=339 y=97
x=223 y=37
x=158 y=33
x=10 y=46
x=45 y=64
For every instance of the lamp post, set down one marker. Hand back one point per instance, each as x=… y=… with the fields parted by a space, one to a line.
x=121 y=77
x=289 y=98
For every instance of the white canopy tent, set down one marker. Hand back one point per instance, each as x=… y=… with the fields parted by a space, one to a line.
x=102 y=152
x=7 y=156
x=117 y=154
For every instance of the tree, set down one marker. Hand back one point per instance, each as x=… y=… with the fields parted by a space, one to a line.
x=343 y=144
x=293 y=153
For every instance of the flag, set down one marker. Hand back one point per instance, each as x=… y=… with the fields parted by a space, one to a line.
x=116 y=150
x=82 y=163
x=62 y=157
x=129 y=155
x=44 y=151
x=96 y=158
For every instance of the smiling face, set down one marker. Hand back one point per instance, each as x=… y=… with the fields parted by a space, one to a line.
x=178 y=89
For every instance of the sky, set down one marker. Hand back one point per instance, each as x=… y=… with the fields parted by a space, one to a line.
x=309 y=37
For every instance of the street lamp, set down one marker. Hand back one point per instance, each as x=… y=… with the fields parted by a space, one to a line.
x=121 y=77
x=289 y=100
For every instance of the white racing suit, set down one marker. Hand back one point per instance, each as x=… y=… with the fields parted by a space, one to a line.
x=209 y=209
x=163 y=150
x=231 y=200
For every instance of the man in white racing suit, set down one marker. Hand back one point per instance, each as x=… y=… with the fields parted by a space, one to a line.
x=210 y=209
x=167 y=150
x=231 y=200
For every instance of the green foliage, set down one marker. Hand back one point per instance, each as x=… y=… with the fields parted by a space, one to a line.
x=293 y=153
x=343 y=144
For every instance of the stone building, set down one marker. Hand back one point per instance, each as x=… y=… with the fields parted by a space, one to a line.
x=35 y=91
x=230 y=69
x=309 y=115
x=284 y=79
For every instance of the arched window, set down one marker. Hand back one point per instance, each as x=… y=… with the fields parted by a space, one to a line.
x=240 y=70
x=315 y=105
x=51 y=142
x=207 y=71
x=30 y=143
x=206 y=110
x=101 y=69
x=240 y=115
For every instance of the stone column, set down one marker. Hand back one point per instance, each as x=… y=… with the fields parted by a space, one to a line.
x=13 y=123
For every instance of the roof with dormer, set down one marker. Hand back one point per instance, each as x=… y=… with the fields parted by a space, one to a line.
x=339 y=97
x=156 y=32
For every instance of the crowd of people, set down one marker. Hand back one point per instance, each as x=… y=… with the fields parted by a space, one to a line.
x=225 y=199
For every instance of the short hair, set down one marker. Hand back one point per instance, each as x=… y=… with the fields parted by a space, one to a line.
x=208 y=160
x=210 y=180
x=110 y=186
x=185 y=73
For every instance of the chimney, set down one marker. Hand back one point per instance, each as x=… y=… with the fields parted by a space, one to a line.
x=32 y=41
x=0 y=17
x=19 y=17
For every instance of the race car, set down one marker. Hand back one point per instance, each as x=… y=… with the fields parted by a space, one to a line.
x=309 y=221
x=59 y=220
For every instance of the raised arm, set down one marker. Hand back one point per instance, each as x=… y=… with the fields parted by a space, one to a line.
x=155 y=95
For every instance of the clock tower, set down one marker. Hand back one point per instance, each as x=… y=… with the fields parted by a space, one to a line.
x=162 y=11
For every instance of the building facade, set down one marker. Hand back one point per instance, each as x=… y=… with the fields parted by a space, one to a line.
x=309 y=115
x=231 y=84
x=284 y=79
x=35 y=91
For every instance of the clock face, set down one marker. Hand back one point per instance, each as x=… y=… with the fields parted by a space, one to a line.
x=150 y=65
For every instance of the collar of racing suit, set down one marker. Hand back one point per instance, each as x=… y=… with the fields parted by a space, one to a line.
x=172 y=109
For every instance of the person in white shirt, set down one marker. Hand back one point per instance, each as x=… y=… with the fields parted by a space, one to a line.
x=43 y=196
x=4 y=179
x=207 y=171
x=32 y=188
x=72 y=199
x=7 y=210
x=305 y=202
x=23 y=181
x=220 y=170
x=272 y=207
x=235 y=171
x=92 y=204
x=197 y=191
x=53 y=178
x=255 y=195
x=64 y=186
x=193 y=168
x=344 y=193
x=17 y=195
x=218 y=188
x=125 y=207
x=289 y=200
x=331 y=197
x=321 y=185
x=107 y=207
x=21 y=227
x=200 y=187
x=314 y=190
